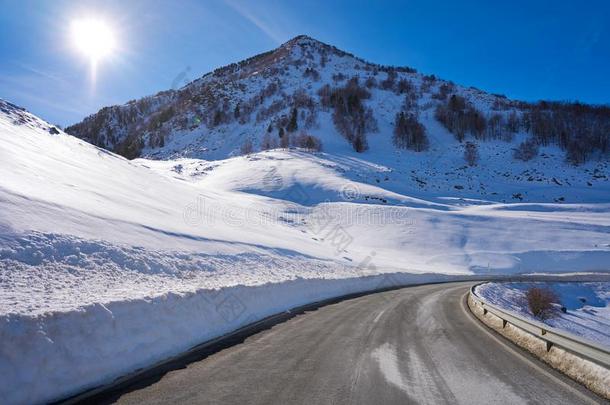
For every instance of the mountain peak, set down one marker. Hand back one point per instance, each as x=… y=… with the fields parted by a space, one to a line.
x=307 y=41
x=300 y=40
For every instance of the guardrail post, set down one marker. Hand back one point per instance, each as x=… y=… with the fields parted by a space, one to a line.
x=548 y=345
x=504 y=322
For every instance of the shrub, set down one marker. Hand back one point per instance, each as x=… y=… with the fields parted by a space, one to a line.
x=443 y=91
x=338 y=77
x=370 y=82
x=527 y=150
x=308 y=142
x=268 y=142
x=246 y=147
x=390 y=80
x=404 y=86
x=312 y=73
x=131 y=146
x=300 y=99
x=274 y=108
x=540 y=302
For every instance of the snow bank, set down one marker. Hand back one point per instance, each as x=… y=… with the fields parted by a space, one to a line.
x=53 y=355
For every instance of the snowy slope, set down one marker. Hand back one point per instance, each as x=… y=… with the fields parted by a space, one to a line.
x=587 y=306
x=107 y=264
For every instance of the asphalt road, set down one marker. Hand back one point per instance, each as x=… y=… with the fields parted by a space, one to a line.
x=414 y=345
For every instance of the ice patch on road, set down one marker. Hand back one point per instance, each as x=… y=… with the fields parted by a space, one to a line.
x=386 y=358
x=420 y=384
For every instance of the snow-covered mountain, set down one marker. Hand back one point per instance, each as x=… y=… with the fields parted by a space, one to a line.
x=309 y=94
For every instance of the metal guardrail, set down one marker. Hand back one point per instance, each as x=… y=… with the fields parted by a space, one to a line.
x=552 y=336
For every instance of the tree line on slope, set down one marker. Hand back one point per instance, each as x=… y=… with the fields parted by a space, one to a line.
x=582 y=131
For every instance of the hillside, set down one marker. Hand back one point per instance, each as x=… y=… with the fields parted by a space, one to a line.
x=97 y=250
x=312 y=95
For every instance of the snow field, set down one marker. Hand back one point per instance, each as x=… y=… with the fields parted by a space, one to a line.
x=109 y=265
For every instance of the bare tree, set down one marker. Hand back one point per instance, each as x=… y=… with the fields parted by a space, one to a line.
x=268 y=142
x=390 y=80
x=471 y=154
x=351 y=118
x=460 y=117
x=409 y=133
x=246 y=147
x=581 y=130
x=284 y=139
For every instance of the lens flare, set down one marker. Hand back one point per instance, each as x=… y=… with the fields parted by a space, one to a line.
x=93 y=38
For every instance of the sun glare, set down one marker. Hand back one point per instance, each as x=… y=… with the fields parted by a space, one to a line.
x=93 y=38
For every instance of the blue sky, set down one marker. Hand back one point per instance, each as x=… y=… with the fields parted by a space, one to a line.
x=525 y=49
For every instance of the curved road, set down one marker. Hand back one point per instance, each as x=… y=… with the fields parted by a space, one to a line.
x=413 y=345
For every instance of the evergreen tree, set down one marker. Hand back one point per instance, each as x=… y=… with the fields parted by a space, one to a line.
x=217 y=118
x=360 y=144
x=292 y=124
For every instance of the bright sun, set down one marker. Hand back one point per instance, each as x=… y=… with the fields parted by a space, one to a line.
x=93 y=37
